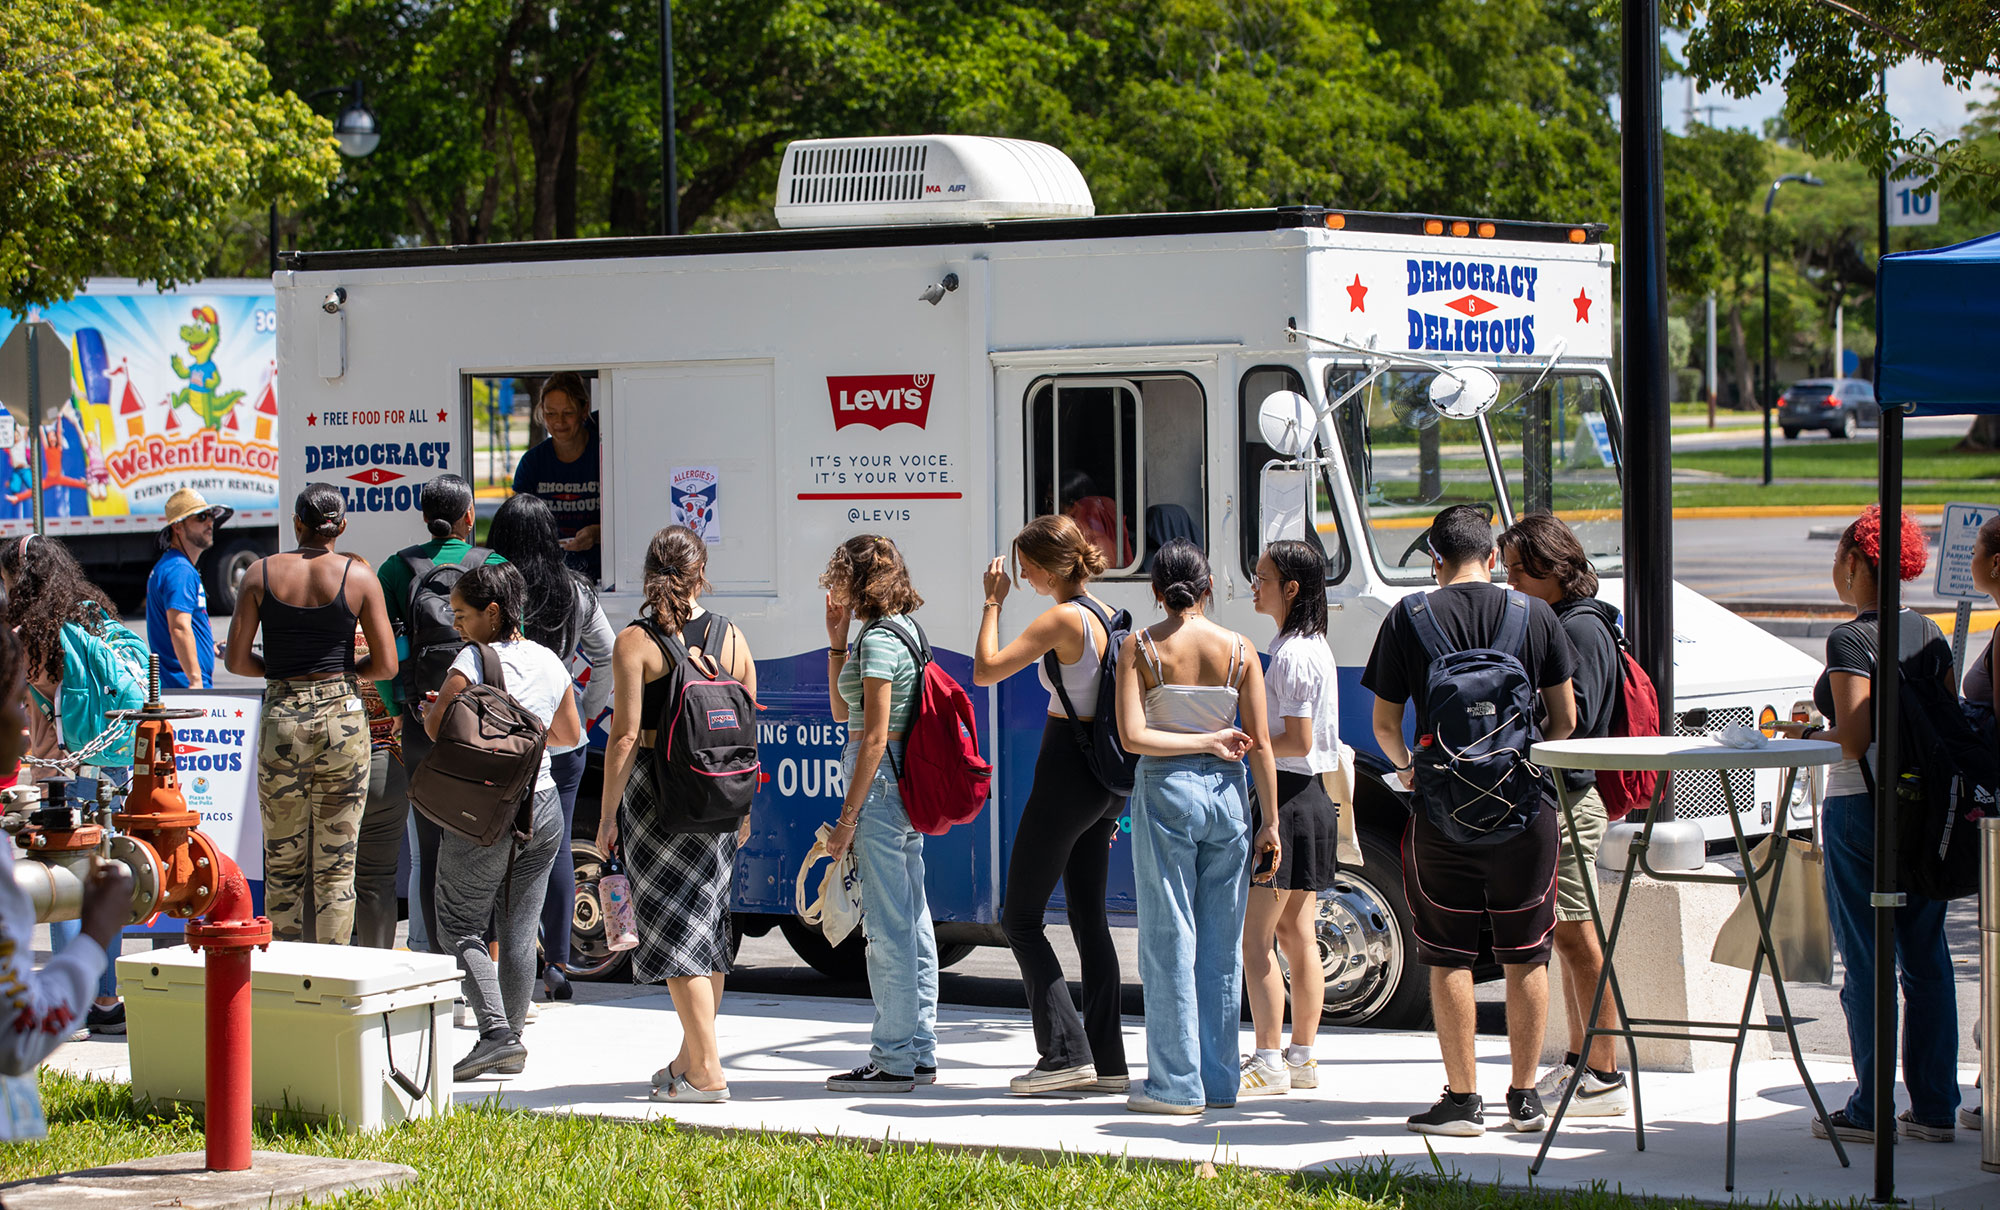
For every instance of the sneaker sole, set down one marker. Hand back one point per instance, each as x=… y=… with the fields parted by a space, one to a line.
x=873 y=1086
x=115 y=1031
x=1926 y=1134
x=1453 y=1130
x=1598 y=1108
x=1161 y=1107
x=1864 y=1137
x=1534 y=1125
x=1968 y=1119
x=1120 y=1085
x=1299 y=1081
x=461 y=1075
x=1052 y=1081
x=1263 y=1090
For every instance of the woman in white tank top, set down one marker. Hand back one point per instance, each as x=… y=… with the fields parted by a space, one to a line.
x=1070 y=818
x=1181 y=685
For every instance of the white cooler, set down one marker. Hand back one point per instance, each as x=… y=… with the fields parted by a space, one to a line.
x=330 y=1025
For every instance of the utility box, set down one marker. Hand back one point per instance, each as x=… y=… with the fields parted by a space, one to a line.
x=338 y=1033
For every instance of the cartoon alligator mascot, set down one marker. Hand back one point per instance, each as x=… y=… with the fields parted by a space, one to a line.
x=201 y=337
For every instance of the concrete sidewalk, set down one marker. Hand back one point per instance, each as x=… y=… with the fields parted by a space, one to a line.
x=596 y=1057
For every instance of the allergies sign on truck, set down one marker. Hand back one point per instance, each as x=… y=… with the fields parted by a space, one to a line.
x=164 y=391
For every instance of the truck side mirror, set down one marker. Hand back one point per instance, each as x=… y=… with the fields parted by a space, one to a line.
x=1284 y=503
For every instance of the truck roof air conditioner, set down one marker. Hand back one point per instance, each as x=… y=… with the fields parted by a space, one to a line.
x=919 y=179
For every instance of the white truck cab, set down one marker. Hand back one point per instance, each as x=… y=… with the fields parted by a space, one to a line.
x=942 y=375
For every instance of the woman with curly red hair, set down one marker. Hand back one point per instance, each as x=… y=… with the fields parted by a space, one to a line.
x=1930 y=993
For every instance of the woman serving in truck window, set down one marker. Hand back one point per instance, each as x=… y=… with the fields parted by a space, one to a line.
x=564 y=469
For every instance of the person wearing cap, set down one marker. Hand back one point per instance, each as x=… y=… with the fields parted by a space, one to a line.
x=313 y=750
x=177 y=626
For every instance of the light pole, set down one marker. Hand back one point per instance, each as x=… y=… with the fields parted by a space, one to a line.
x=669 y=171
x=1771 y=400
x=356 y=130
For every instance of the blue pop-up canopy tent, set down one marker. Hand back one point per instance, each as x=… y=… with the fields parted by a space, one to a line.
x=1937 y=313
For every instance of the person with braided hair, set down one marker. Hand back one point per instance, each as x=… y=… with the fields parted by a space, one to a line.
x=1930 y=994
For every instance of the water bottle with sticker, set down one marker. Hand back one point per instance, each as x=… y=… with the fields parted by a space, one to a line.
x=614 y=892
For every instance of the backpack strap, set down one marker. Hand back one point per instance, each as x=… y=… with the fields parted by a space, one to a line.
x=920 y=647
x=491 y=671
x=1513 y=636
x=1054 y=667
x=1428 y=632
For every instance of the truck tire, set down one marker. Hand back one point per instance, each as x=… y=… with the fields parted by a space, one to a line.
x=590 y=959
x=1368 y=951
x=226 y=566
x=1791 y=434
x=847 y=962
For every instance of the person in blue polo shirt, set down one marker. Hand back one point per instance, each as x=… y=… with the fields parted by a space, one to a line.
x=564 y=469
x=177 y=626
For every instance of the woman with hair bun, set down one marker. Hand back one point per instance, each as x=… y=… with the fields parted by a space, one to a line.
x=680 y=880
x=313 y=751
x=1844 y=696
x=1070 y=819
x=1182 y=686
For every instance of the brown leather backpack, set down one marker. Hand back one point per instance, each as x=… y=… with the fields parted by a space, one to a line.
x=478 y=780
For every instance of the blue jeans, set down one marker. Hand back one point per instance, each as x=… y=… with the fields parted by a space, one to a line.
x=62 y=932
x=896 y=919
x=1191 y=861
x=1930 y=1028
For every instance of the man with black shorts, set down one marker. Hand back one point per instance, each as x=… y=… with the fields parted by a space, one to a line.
x=1454 y=889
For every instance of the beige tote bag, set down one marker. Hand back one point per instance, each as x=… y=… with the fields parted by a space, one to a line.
x=1339 y=786
x=1801 y=933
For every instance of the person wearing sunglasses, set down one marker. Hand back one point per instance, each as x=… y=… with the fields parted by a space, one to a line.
x=177 y=627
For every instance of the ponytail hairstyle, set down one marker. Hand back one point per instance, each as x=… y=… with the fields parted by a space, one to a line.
x=675 y=574
x=1181 y=575
x=495 y=584
x=1056 y=544
x=1865 y=537
x=524 y=533
x=320 y=511
x=1549 y=551
x=1303 y=564
x=444 y=501
x=868 y=575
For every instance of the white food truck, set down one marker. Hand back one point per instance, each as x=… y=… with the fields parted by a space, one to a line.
x=943 y=342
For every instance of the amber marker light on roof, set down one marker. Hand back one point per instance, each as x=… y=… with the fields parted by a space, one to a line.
x=1336 y=222
x=1576 y=235
x=1461 y=229
x=1486 y=230
x=1433 y=226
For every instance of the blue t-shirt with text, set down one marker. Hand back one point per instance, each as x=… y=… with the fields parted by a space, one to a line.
x=175 y=584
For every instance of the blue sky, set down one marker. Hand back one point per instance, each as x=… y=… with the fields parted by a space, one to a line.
x=1918 y=96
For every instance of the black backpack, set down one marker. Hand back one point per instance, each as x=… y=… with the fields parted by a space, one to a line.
x=705 y=737
x=1102 y=749
x=1473 y=779
x=1949 y=778
x=434 y=641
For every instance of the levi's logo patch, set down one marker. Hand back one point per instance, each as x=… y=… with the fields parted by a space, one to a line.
x=722 y=720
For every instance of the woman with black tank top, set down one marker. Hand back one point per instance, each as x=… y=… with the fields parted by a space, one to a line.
x=680 y=881
x=313 y=750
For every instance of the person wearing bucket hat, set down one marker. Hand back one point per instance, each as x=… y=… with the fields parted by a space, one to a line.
x=177 y=626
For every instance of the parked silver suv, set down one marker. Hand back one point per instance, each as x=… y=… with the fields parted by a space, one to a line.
x=1837 y=405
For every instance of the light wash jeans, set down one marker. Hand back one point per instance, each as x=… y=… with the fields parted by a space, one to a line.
x=1191 y=861
x=896 y=919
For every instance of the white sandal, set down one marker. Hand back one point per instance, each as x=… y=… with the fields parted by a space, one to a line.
x=679 y=1090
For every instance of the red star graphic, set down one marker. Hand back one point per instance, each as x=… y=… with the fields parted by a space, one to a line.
x=311 y=419
x=1582 y=302
x=441 y=416
x=239 y=714
x=1357 y=295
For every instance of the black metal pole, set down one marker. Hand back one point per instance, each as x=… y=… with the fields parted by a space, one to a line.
x=1888 y=659
x=274 y=237
x=670 y=210
x=1764 y=388
x=1645 y=386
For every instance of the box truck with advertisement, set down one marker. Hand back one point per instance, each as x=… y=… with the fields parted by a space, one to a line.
x=941 y=343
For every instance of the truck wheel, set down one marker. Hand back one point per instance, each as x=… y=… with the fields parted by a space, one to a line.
x=1368 y=952
x=590 y=959
x=952 y=955
x=1791 y=434
x=226 y=568
x=847 y=962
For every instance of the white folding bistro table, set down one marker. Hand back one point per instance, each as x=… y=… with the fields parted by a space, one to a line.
x=1667 y=754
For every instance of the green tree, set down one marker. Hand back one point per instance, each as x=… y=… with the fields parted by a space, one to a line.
x=125 y=146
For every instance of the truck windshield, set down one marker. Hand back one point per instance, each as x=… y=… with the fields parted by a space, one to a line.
x=1556 y=449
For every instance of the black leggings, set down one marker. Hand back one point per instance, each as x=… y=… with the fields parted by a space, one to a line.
x=1066 y=832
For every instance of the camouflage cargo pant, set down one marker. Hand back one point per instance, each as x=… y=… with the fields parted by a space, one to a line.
x=312 y=782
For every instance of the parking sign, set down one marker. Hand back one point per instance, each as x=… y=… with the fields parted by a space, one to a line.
x=1955 y=546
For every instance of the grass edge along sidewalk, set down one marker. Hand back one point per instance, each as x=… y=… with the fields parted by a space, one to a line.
x=501 y=1159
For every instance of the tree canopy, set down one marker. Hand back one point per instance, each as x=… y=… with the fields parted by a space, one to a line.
x=124 y=146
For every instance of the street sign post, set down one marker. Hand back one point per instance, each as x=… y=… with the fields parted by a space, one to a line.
x=1956 y=544
x=33 y=360
x=1907 y=206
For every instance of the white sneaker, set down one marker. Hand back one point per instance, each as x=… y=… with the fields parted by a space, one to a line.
x=532 y=1013
x=1550 y=1086
x=461 y=1016
x=1259 y=1080
x=1039 y=1079
x=1600 y=1098
x=1304 y=1075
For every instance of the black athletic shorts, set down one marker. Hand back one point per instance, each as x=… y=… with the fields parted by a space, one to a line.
x=1454 y=890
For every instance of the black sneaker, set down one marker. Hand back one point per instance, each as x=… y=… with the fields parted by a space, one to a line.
x=1448 y=1118
x=490 y=1054
x=870 y=1078
x=1524 y=1111
x=106 y=1020
x=926 y=1074
x=1846 y=1128
x=1970 y=1118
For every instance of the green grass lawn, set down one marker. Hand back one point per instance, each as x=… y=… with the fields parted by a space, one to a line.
x=1745 y=495
x=1816 y=458
x=501 y=1159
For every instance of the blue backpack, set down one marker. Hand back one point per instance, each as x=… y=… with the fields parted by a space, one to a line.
x=1098 y=739
x=1473 y=778
x=103 y=670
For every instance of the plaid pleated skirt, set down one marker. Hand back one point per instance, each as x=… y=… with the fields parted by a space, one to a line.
x=680 y=886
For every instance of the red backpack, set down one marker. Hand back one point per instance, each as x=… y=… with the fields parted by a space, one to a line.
x=942 y=777
x=1636 y=712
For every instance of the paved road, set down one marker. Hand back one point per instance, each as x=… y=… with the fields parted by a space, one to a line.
x=1695 y=437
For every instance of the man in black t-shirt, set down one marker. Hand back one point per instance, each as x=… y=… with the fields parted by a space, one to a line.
x=1454 y=889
